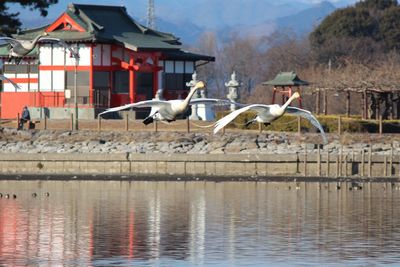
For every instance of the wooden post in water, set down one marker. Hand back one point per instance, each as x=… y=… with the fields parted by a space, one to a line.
x=319 y=160
x=341 y=161
x=155 y=122
x=305 y=161
x=327 y=164
x=45 y=122
x=391 y=160
x=380 y=125
x=362 y=162
x=370 y=161
x=99 y=123
x=385 y=165
x=72 y=122
x=353 y=159
x=337 y=165
x=126 y=122
x=187 y=125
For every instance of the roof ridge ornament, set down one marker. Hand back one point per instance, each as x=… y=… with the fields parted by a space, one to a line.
x=72 y=8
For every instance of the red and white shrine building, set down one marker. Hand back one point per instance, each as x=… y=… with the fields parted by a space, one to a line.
x=120 y=62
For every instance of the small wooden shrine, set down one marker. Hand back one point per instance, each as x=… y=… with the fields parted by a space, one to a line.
x=285 y=84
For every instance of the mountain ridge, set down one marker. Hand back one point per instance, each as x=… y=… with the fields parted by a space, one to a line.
x=187 y=20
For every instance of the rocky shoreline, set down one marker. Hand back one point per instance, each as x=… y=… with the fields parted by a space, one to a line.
x=239 y=142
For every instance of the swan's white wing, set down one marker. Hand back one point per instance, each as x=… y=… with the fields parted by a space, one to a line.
x=221 y=123
x=2 y=77
x=9 y=40
x=214 y=101
x=307 y=115
x=53 y=39
x=141 y=104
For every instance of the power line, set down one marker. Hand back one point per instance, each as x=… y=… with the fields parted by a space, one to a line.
x=151 y=20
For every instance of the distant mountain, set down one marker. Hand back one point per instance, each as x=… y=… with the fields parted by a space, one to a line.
x=212 y=15
x=189 y=19
x=301 y=22
x=187 y=31
x=304 y=21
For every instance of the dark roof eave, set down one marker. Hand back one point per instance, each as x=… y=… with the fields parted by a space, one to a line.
x=298 y=83
x=183 y=55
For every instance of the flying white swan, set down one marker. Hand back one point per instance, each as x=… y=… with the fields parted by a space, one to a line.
x=16 y=86
x=268 y=113
x=20 y=48
x=166 y=110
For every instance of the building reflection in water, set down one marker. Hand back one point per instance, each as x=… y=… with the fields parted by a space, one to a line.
x=90 y=222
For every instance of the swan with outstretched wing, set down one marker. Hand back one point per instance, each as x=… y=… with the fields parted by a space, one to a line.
x=21 y=48
x=269 y=113
x=162 y=110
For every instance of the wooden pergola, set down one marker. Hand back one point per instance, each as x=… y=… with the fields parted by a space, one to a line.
x=375 y=102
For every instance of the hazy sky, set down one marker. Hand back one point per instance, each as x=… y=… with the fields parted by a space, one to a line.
x=137 y=8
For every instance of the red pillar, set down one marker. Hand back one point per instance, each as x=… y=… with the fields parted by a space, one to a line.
x=298 y=90
x=273 y=96
x=132 y=91
x=91 y=89
x=155 y=75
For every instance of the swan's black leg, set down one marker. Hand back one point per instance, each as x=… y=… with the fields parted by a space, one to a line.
x=249 y=122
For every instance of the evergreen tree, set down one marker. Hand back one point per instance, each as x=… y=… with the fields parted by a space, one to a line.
x=360 y=32
x=10 y=23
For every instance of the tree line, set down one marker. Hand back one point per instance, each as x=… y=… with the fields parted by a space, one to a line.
x=354 y=51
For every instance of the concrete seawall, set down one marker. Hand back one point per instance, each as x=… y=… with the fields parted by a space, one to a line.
x=202 y=165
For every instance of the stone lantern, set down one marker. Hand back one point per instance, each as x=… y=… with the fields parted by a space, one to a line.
x=233 y=93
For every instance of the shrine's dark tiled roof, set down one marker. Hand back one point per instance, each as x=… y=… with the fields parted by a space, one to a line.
x=111 y=24
x=286 y=79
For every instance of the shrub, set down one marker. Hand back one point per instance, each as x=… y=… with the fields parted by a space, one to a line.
x=288 y=123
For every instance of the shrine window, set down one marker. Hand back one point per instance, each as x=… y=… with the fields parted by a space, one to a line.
x=121 y=82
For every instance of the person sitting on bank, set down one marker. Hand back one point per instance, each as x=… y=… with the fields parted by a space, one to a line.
x=26 y=116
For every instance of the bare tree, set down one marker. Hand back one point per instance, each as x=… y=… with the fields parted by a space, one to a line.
x=286 y=53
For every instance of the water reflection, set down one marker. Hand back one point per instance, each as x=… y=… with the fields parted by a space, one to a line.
x=91 y=223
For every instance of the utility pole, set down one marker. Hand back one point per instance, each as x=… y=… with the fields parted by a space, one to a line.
x=76 y=57
x=151 y=20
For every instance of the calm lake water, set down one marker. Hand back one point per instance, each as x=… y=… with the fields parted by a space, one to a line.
x=92 y=223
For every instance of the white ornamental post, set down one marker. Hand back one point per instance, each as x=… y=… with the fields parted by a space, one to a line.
x=233 y=92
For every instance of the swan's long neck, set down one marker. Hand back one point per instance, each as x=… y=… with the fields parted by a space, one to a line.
x=35 y=40
x=184 y=104
x=293 y=97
